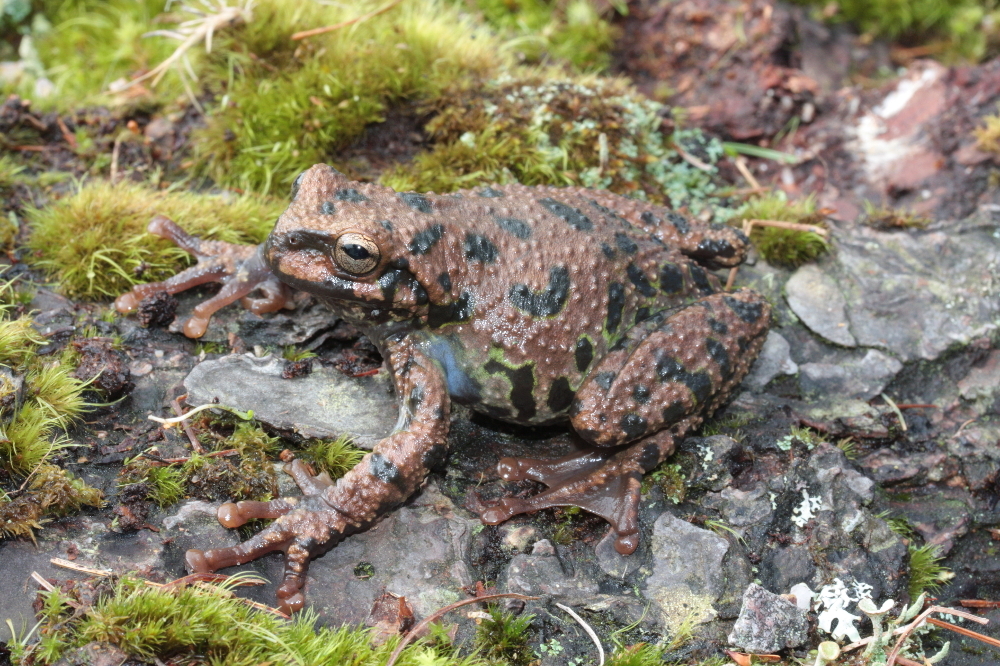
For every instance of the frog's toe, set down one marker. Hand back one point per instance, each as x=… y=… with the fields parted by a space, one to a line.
x=196 y=562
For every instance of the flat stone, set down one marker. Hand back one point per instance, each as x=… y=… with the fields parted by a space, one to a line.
x=768 y=623
x=324 y=404
x=983 y=380
x=687 y=570
x=861 y=378
x=775 y=359
x=541 y=573
x=419 y=551
x=817 y=300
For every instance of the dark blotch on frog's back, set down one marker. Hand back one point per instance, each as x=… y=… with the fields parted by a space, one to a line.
x=490 y=193
x=350 y=194
x=616 y=303
x=458 y=311
x=385 y=470
x=633 y=425
x=522 y=386
x=604 y=379
x=416 y=201
x=424 y=240
x=571 y=215
x=721 y=357
x=700 y=279
x=709 y=248
x=547 y=302
x=641 y=394
x=679 y=222
x=639 y=279
x=671 y=279
x=748 y=312
x=445 y=281
x=514 y=226
x=717 y=326
x=625 y=244
x=480 y=248
x=560 y=395
x=584 y=353
x=668 y=369
x=296 y=184
x=608 y=251
x=328 y=208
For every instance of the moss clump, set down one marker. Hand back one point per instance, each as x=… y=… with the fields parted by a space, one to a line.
x=926 y=572
x=207 y=624
x=503 y=638
x=573 y=31
x=961 y=28
x=546 y=129
x=94 y=242
x=52 y=492
x=284 y=105
x=888 y=219
x=335 y=457
x=784 y=247
x=642 y=654
x=670 y=479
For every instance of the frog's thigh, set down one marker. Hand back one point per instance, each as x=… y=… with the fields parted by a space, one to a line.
x=677 y=369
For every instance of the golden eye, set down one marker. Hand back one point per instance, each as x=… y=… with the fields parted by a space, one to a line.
x=357 y=254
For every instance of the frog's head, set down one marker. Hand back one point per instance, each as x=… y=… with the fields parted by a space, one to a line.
x=337 y=240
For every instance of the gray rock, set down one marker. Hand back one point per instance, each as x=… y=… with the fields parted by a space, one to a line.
x=713 y=455
x=817 y=300
x=863 y=378
x=542 y=573
x=774 y=360
x=611 y=561
x=976 y=449
x=687 y=570
x=919 y=294
x=939 y=514
x=418 y=551
x=325 y=403
x=768 y=623
x=982 y=382
x=744 y=508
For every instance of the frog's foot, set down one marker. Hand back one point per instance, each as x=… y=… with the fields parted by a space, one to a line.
x=603 y=482
x=239 y=268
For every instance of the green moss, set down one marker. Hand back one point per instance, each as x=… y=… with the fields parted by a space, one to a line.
x=542 y=128
x=52 y=492
x=926 y=572
x=335 y=457
x=537 y=29
x=206 y=624
x=988 y=136
x=887 y=219
x=784 y=247
x=295 y=104
x=94 y=242
x=642 y=654
x=670 y=479
x=293 y=353
x=503 y=638
x=961 y=28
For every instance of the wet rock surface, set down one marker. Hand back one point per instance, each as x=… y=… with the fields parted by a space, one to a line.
x=768 y=623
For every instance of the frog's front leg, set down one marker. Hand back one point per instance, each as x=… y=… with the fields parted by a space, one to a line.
x=658 y=384
x=309 y=526
x=240 y=269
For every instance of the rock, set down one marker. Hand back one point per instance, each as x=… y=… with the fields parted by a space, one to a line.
x=687 y=570
x=768 y=623
x=939 y=514
x=975 y=447
x=861 y=379
x=94 y=654
x=982 y=381
x=744 y=508
x=418 y=551
x=817 y=300
x=774 y=360
x=714 y=457
x=325 y=403
x=611 y=561
x=542 y=573
x=887 y=467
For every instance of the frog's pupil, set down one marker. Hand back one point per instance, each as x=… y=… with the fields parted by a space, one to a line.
x=356 y=251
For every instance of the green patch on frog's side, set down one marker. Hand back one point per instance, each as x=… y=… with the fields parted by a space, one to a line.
x=94 y=242
x=207 y=624
x=39 y=399
x=784 y=247
x=544 y=128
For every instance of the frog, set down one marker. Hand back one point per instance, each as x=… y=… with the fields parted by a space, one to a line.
x=533 y=305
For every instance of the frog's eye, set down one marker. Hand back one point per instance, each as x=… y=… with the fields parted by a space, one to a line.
x=357 y=254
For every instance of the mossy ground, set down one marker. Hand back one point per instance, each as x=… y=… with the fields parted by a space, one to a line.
x=784 y=247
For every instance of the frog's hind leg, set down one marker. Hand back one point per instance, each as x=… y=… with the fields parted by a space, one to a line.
x=656 y=385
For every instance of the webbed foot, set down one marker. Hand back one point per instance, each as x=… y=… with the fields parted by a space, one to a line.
x=604 y=482
x=239 y=268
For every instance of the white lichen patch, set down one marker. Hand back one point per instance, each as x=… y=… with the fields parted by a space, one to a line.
x=807 y=510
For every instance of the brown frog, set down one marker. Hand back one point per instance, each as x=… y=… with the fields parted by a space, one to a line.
x=529 y=304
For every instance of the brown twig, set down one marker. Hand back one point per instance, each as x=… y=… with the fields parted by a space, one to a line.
x=413 y=633
x=979 y=603
x=965 y=632
x=67 y=135
x=343 y=24
x=913 y=405
x=920 y=619
x=741 y=166
x=188 y=430
x=748 y=226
